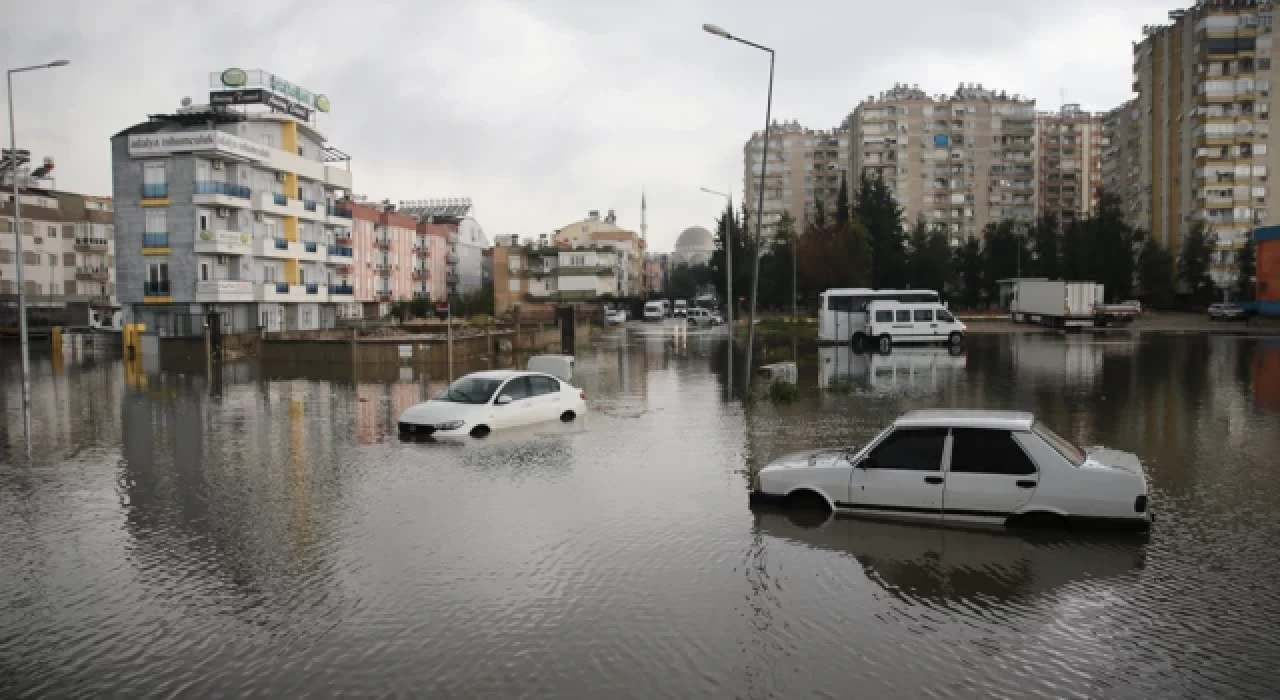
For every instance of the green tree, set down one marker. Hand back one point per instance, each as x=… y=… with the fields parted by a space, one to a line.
x=685 y=281
x=1102 y=248
x=1155 y=275
x=834 y=251
x=1004 y=252
x=928 y=258
x=730 y=225
x=1046 y=249
x=1194 y=261
x=967 y=272
x=420 y=307
x=879 y=212
x=1247 y=262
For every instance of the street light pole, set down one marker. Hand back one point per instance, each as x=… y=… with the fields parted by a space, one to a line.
x=728 y=281
x=764 y=166
x=17 y=233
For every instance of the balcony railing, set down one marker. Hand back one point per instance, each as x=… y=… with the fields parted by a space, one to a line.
x=92 y=243
x=155 y=240
x=308 y=205
x=421 y=251
x=223 y=188
x=382 y=269
x=421 y=274
x=382 y=241
x=310 y=246
x=341 y=251
x=340 y=212
x=156 y=289
x=95 y=272
x=160 y=190
x=382 y=294
x=282 y=287
x=280 y=200
x=281 y=243
x=313 y=289
x=341 y=289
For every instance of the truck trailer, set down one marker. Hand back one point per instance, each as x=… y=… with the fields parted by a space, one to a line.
x=1062 y=304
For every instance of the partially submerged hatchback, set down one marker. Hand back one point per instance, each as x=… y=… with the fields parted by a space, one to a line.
x=966 y=467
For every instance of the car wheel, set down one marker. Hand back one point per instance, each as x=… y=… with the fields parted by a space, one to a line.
x=955 y=339
x=857 y=340
x=480 y=431
x=807 y=501
x=568 y=417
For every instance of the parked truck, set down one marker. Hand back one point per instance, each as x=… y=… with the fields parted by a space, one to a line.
x=1063 y=304
x=1267 y=287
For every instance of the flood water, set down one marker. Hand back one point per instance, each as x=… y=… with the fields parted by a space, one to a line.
x=269 y=534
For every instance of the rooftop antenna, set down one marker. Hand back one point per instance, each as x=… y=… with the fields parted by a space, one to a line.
x=644 y=222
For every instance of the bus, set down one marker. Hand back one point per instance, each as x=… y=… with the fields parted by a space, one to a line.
x=842 y=314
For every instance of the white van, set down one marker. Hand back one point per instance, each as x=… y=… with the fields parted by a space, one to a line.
x=654 y=311
x=893 y=322
x=681 y=308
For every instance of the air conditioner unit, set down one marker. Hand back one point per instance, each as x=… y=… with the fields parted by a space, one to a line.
x=222 y=260
x=217 y=164
x=257 y=216
x=221 y=212
x=280 y=177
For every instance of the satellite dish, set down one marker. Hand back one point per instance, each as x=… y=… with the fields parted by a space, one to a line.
x=186 y=102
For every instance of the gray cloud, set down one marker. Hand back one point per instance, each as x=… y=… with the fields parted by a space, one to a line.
x=541 y=111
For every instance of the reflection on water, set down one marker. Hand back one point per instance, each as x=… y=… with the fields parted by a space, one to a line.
x=265 y=531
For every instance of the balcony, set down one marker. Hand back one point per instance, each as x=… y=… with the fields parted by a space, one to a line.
x=382 y=242
x=308 y=205
x=341 y=290
x=280 y=205
x=453 y=237
x=94 y=273
x=312 y=289
x=382 y=295
x=421 y=274
x=91 y=245
x=224 y=290
x=158 y=242
x=421 y=251
x=281 y=291
x=451 y=258
x=338 y=212
x=341 y=254
x=221 y=194
x=155 y=191
x=224 y=243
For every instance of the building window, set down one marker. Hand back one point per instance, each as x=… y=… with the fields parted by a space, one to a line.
x=157 y=221
x=153 y=179
x=204 y=272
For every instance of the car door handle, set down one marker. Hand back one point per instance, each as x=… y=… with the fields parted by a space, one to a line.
x=933 y=480
x=1026 y=484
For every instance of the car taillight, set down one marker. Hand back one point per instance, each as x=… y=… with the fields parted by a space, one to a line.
x=582 y=395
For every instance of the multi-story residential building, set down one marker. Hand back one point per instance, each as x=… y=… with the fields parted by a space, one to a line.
x=1122 y=163
x=959 y=161
x=464 y=260
x=605 y=232
x=233 y=212
x=68 y=247
x=1204 y=102
x=1068 y=163
x=804 y=168
x=655 y=271
x=386 y=245
x=546 y=273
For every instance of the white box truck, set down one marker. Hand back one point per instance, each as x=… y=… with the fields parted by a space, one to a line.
x=1055 y=303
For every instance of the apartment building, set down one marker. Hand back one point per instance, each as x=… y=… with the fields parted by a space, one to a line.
x=464 y=260
x=1203 y=85
x=595 y=231
x=548 y=273
x=234 y=211
x=386 y=257
x=958 y=161
x=1122 y=163
x=1068 y=163
x=804 y=168
x=68 y=247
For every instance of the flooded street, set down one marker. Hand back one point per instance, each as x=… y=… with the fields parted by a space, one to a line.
x=270 y=534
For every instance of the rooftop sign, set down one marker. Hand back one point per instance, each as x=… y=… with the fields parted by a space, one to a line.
x=237 y=78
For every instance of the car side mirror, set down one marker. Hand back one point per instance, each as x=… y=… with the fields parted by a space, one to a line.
x=502 y=400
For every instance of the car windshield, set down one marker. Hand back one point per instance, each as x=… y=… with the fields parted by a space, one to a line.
x=944 y=316
x=1065 y=447
x=473 y=390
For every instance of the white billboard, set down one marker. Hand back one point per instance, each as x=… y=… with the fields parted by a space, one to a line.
x=141 y=145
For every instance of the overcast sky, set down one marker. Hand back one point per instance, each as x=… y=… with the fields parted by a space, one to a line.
x=540 y=111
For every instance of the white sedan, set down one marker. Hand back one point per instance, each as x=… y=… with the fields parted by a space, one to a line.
x=968 y=468
x=480 y=403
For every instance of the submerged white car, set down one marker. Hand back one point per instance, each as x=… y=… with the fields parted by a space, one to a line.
x=480 y=403
x=966 y=467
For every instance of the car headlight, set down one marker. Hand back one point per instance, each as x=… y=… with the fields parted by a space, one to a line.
x=449 y=425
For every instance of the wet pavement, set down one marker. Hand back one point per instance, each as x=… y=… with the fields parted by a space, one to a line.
x=268 y=533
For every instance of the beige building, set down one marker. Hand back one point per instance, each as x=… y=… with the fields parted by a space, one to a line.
x=545 y=273
x=1068 y=163
x=804 y=168
x=959 y=161
x=1204 y=102
x=1122 y=162
x=595 y=231
x=68 y=247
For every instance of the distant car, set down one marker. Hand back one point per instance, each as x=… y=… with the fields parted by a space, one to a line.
x=1227 y=312
x=702 y=317
x=615 y=317
x=681 y=307
x=966 y=468
x=654 y=311
x=480 y=403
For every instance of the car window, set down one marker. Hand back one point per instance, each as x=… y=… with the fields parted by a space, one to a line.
x=944 y=316
x=910 y=449
x=518 y=388
x=839 y=303
x=473 y=390
x=976 y=451
x=544 y=385
x=923 y=315
x=884 y=317
x=903 y=316
x=1065 y=447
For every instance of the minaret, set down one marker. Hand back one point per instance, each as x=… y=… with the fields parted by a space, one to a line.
x=644 y=224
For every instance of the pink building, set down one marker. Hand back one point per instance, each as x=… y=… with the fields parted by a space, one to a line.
x=436 y=239
x=363 y=221
x=384 y=256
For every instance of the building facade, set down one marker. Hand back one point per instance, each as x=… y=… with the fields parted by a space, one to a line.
x=68 y=248
x=1203 y=85
x=656 y=266
x=804 y=168
x=464 y=259
x=547 y=273
x=956 y=161
x=1068 y=163
x=230 y=212
x=1122 y=163
x=595 y=231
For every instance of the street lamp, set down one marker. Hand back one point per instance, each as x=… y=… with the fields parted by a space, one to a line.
x=728 y=275
x=17 y=234
x=764 y=164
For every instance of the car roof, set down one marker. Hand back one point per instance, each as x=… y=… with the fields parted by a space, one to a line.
x=501 y=374
x=966 y=418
